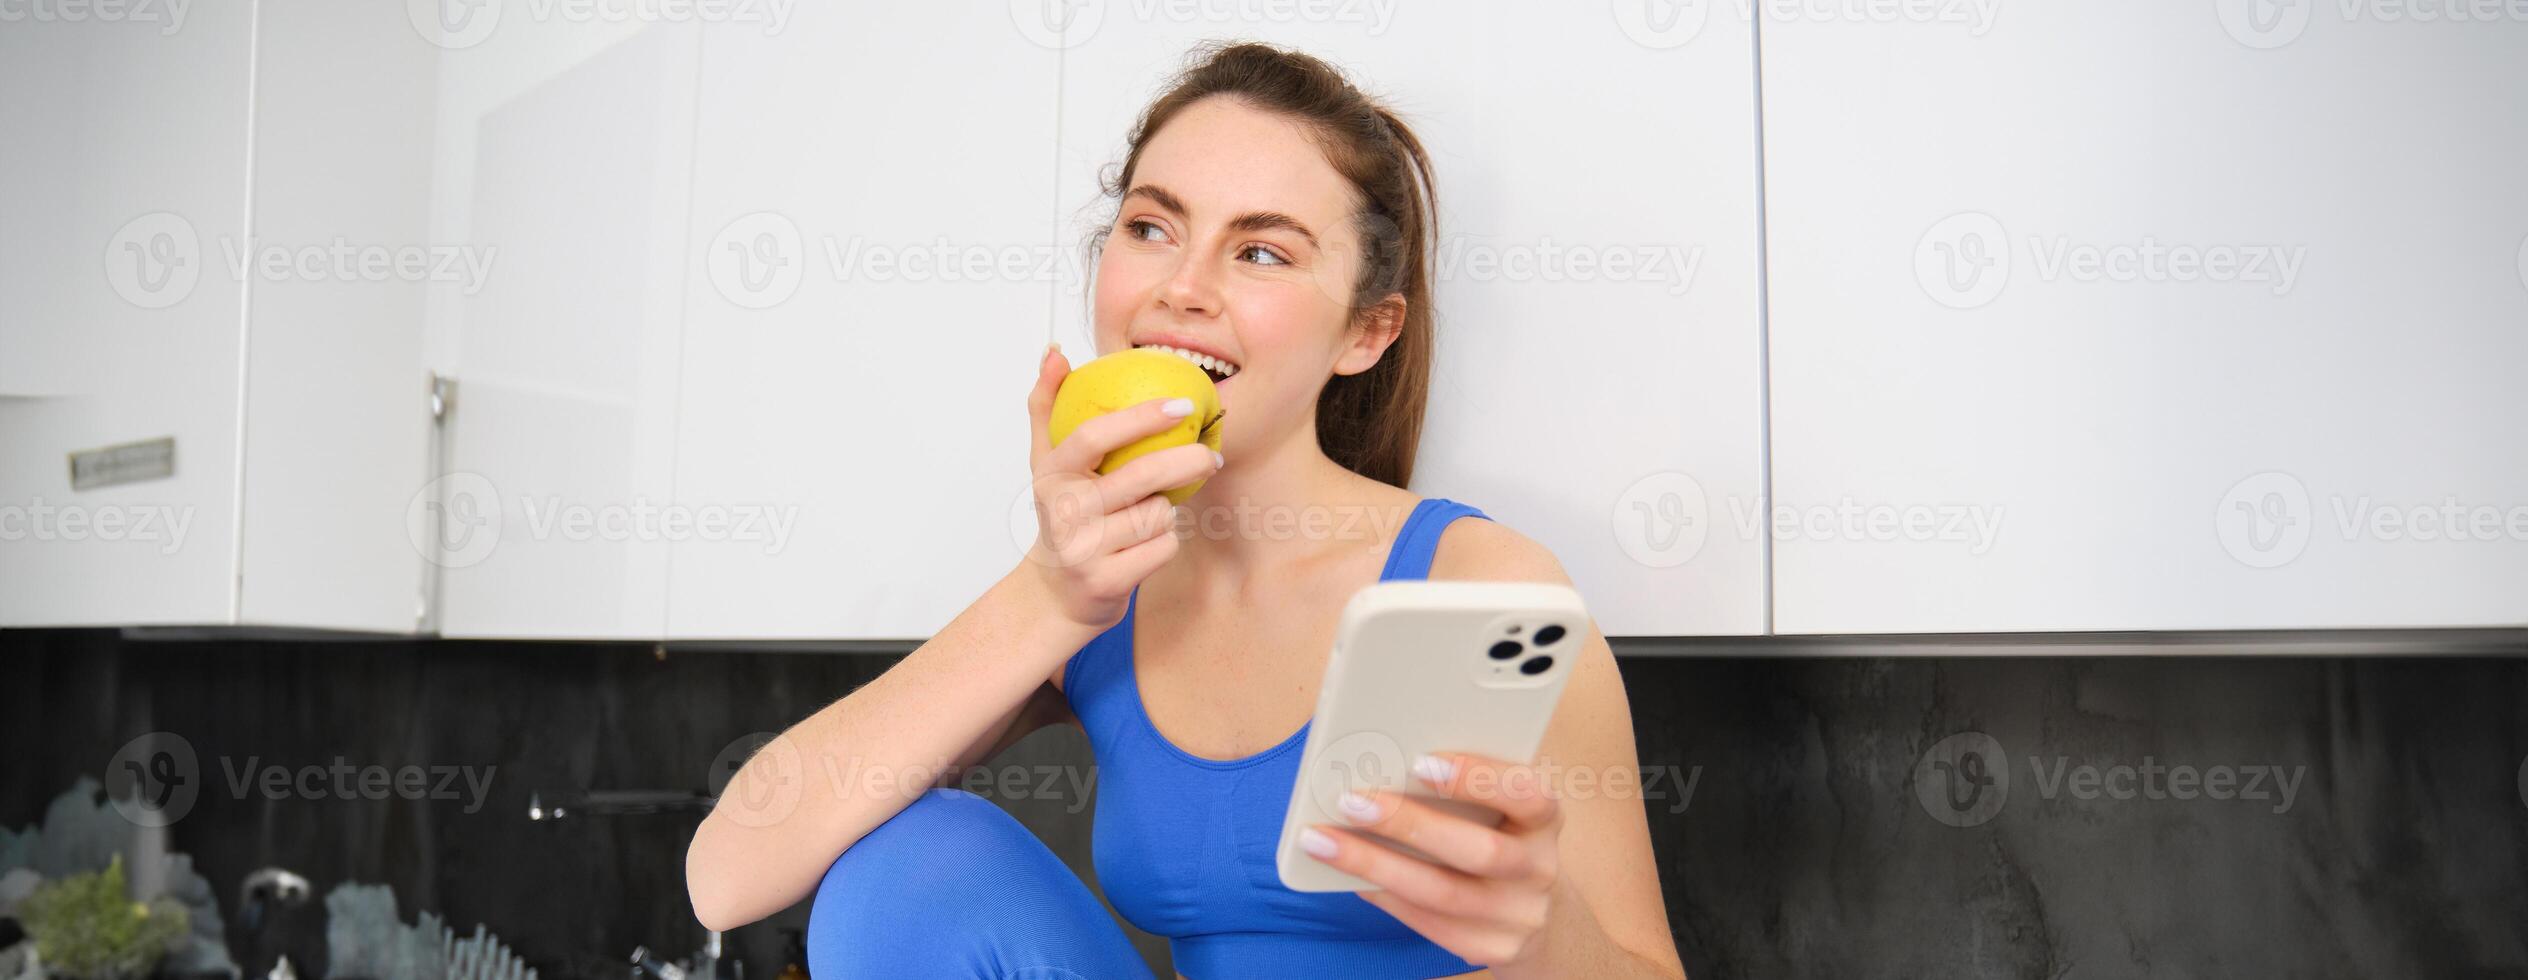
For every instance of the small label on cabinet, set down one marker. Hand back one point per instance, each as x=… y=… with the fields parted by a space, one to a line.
x=130 y=462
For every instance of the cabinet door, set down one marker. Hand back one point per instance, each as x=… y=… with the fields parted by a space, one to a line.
x=336 y=419
x=2147 y=316
x=1598 y=366
x=565 y=154
x=122 y=190
x=866 y=301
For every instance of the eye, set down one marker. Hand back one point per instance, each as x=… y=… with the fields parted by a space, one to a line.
x=1134 y=227
x=1269 y=254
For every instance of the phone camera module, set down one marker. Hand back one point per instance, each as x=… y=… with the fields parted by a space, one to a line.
x=1537 y=665
x=1506 y=649
x=1546 y=637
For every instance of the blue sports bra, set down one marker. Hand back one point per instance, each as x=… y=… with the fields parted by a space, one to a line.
x=1183 y=845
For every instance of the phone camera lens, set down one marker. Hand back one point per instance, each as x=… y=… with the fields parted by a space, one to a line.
x=1547 y=636
x=1537 y=665
x=1506 y=649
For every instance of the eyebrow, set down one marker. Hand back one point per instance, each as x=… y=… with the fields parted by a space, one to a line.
x=1252 y=221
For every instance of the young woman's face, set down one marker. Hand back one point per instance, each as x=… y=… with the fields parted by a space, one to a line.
x=1236 y=239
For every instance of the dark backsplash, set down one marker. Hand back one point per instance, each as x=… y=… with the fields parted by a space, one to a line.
x=1792 y=837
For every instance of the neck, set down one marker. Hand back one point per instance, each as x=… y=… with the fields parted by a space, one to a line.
x=1262 y=512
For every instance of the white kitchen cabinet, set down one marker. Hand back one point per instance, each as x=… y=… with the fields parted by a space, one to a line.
x=172 y=230
x=1598 y=373
x=2135 y=317
x=866 y=296
x=565 y=154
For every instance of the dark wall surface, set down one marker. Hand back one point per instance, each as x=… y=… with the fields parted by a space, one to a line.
x=1846 y=817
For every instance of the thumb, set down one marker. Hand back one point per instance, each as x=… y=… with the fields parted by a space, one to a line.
x=1049 y=374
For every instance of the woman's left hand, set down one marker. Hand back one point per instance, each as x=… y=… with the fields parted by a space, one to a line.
x=1493 y=890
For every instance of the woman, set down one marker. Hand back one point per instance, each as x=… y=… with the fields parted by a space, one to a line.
x=1275 y=220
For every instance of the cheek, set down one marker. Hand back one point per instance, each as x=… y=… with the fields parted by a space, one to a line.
x=1119 y=286
x=1286 y=323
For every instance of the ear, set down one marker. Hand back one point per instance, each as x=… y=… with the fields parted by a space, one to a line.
x=1369 y=335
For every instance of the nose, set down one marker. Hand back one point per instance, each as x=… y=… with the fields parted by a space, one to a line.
x=1191 y=287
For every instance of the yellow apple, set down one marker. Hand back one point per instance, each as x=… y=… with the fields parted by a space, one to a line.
x=1129 y=377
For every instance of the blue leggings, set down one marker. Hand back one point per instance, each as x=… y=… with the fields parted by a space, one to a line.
x=955 y=887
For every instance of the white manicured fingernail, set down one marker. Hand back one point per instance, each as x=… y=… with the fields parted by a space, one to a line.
x=1433 y=770
x=1217 y=460
x=1316 y=842
x=1177 y=408
x=1357 y=808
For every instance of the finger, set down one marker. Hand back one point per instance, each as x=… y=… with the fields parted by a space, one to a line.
x=1136 y=563
x=1514 y=789
x=1081 y=451
x=1149 y=517
x=1168 y=468
x=1413 y=879
x=1050 y=370
x=1456 y=841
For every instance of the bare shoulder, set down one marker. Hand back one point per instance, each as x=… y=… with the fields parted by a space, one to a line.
x=1477 y=549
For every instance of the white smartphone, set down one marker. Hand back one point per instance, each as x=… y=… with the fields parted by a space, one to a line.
x=1422 y=666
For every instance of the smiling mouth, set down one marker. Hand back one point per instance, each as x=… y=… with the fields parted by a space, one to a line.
x=1219 y=370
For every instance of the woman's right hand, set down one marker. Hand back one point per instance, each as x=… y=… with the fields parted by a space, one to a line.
x=1098 y=536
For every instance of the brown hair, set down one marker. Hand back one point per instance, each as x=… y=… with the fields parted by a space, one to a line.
x=1370 y=422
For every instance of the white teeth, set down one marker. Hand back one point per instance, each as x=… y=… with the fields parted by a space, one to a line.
x=1205 y=361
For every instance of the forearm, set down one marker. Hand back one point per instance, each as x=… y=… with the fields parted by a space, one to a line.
x=1577 y=945
x=804 y=799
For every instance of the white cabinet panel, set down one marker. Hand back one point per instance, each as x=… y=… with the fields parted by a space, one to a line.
x=2131 y=316
x=561 y=446
x=151 y=173
x=337 y=425
x=1598 y=372
x=865 y=304
x=125 y=172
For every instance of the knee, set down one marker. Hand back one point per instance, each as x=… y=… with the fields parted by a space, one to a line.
x=941 y=832
x=954 y=886
x=945 y=848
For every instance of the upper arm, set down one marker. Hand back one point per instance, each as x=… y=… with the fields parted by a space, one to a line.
x=1605 y=843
